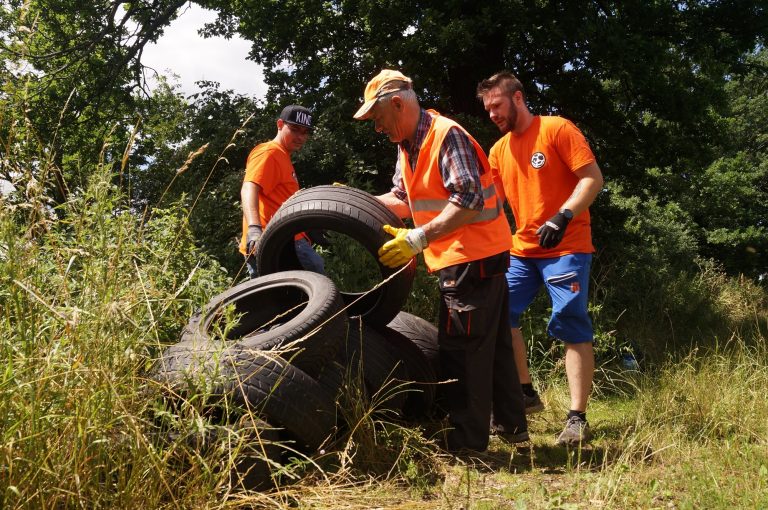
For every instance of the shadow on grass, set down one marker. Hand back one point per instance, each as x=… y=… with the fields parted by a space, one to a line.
x=547 y=459
x=552 y=459
x=494 y=460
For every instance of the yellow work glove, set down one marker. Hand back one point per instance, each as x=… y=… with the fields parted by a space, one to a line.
x=407 y=243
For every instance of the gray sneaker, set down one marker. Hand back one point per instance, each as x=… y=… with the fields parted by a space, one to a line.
x=533 y=404
x=575 y=433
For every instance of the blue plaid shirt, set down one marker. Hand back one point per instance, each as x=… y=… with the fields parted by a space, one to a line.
x=459 y=165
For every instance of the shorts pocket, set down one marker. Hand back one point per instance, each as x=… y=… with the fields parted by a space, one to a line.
x=560 y=278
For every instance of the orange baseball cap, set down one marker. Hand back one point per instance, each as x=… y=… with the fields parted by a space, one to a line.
x=386 y=82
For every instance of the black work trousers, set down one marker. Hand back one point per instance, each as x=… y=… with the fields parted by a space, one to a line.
x=476 y=349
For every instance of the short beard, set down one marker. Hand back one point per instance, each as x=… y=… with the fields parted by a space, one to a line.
x=511 y=121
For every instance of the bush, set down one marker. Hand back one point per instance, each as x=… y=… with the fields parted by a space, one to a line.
x=88 y=296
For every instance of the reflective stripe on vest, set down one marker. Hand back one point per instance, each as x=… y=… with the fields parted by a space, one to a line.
x=488 y=212
x=488 y=232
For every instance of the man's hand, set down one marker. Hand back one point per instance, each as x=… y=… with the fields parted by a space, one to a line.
x=407 y=243
x=252 y=239
x=552 y=231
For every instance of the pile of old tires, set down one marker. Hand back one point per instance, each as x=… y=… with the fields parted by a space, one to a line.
x=284 y=345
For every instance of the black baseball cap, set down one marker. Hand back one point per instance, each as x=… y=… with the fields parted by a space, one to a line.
x=297 y=115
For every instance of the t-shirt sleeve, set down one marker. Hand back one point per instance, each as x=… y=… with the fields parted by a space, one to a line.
x=493 y=163
x=493 y=158
x=263 y=169
x=572 y=147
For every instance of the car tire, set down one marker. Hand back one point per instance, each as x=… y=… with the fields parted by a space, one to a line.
x=300 y=310
x=286 y=396
x=258 y=453
x=422 y=333
x=351 y=212
x=422 y=380
x=259 y=381
x=365 y=356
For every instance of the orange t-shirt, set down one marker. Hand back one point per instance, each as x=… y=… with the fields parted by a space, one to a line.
x=269 y=165
x=537 y=171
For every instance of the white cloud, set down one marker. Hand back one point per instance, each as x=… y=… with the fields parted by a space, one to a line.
x=182 y=51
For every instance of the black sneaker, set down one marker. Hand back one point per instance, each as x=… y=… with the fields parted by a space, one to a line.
x=512 y=437
x=533 y=404
x=518 y=437
x=575 y=432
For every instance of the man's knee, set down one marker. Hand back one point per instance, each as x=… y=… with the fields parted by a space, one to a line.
x=514 y=319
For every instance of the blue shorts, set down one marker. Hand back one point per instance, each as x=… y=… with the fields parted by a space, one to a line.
x=567 y=281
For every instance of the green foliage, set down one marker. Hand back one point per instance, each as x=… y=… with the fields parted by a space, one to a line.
x=424 y=299
x=86 y=303
x=348 y=264
x=730 y=201
x=685 y=394
x=72 y=73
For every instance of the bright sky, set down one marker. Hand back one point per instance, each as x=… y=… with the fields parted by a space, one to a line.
x=183 y=52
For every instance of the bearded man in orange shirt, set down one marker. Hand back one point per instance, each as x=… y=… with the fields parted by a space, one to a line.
x=270 y=180
x=550 y=179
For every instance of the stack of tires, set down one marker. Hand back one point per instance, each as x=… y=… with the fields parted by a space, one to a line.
x=284 y=344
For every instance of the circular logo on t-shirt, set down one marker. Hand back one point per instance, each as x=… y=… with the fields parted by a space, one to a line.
x=537 y=160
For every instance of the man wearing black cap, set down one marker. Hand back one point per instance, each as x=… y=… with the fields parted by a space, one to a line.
x=270 y=180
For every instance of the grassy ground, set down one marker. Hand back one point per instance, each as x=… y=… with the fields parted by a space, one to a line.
x=693 y=436
x=88 y=302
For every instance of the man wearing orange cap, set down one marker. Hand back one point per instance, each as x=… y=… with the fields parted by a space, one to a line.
x=443 y=181
x=270 y=180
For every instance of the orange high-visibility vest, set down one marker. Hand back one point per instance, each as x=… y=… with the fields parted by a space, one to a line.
x=488 y=233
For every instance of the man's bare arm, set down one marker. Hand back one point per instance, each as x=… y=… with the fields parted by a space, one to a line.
x=394 y=204
x=249 y=197
x=450 y=218
x=586 y=190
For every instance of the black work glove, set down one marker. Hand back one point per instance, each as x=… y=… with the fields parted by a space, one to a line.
x=552 y=231
x=252 y=239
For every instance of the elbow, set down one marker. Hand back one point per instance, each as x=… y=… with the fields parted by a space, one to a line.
x=249 y=191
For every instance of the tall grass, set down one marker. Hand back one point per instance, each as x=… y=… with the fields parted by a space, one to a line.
x=90 y=295
x=697 y=436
